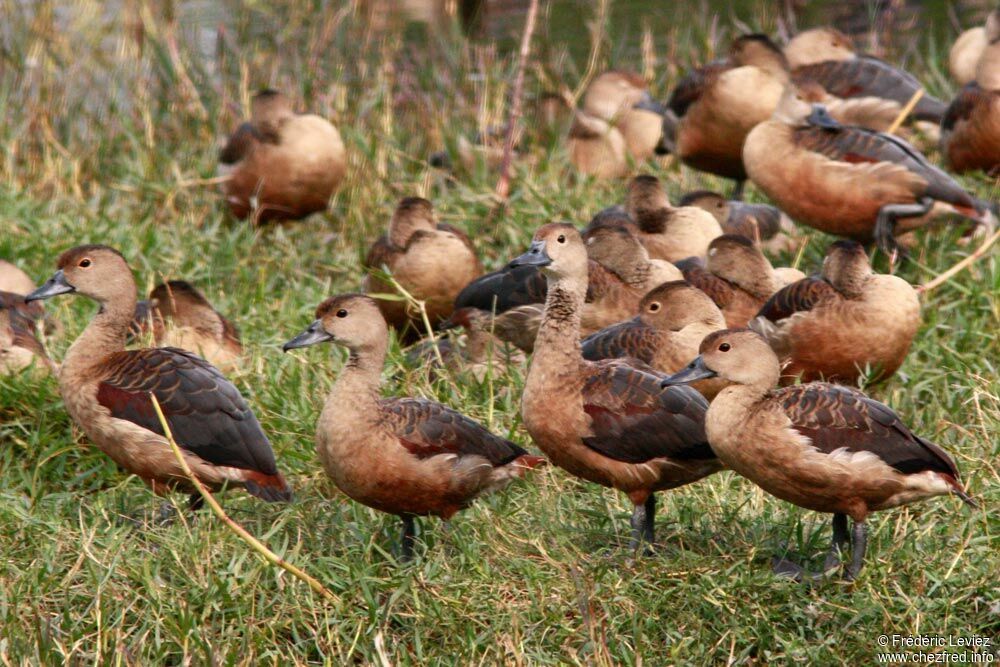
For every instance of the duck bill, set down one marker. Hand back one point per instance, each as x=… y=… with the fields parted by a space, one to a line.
x=536 y=256
x=54 y=286
x=820 y=117
x=311 y=336
x=693 y=372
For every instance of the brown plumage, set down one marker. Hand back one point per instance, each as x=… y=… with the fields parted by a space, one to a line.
x=180 y=316
x=672 y=321
x=823 y=447
x=826 y=57
x=405 y=456
x=849 y=319
x=765 y=225
x=606 y=422
x=669 y=233
x=19 y=347
x=970 y=131
x=737 y=277
x=482 y=352
x=106 y=391
x=431 y=261
x=847 y=180
x=14 y=285
x=718 y=104
x=281 y=165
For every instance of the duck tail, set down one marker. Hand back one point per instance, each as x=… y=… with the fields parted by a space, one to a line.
x=270 y=488
x=959 y=490
x=527 y=462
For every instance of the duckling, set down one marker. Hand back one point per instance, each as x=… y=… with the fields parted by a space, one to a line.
x=825 y=56
x=606 y=422
x=820 y=446
x=848 y=181
x=19 y=347
x=106 y=391
x=623 y=99
x=404 y=456
x=965 y=52
x=431 y=261
x=737 y=277
x=765 y=225
x=673 y=319
x=669 y=233
x=719 y=103
x=182 y=317
x=970 y=131
x=484 y=351
x=281 y=165
x=834 y=326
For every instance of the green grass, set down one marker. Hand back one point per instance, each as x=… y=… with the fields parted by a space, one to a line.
x=105 y=143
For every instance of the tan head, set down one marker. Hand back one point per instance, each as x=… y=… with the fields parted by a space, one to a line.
x=616 y=248
x=712 y=202
x=613 y=92
x=800 y=106
x=847 y=267
x=758 y=50
x=559 y=249
x=14 y=280
x=735 y=258
x=412 y=215
x=675 y=305
x=819 y=45
x=738 y=356
x=988 y=67
x=96 y=271
x=351 y=320
x=268 y=108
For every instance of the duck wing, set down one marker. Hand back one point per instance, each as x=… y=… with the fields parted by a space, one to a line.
x=632 y=338
x=690 y=88
x=965 y=103
x=206 y=413
x=752 y=220
x=798 y=297
x=633 y=420
x=504 y=289
x=718 y=289
x=427 y=429
x=839 y=418
x=240 y=144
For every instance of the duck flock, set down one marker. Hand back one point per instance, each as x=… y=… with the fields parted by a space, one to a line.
x=662 y=346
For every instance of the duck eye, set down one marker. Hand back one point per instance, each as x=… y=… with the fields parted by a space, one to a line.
x=725 y=347
x=85 y=262
x=341 y=313
x=561 y=239
x=653 y=307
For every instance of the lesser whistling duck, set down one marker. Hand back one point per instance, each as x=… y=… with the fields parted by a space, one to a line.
x=281 y=165
x=19 y=347
x=181 y=316
x=484 y=351
x=763 y=224
x=672 y=321
x=106 y=391
x=845 y=180
x=964 y=53
x=834 y=326
x=669 y=233
x=405 y=456
x=606 y=422
x=823 y=447
x=596 y=147
x=623 y=99
x=718 y=104
x=431 y=261
x=970 y=131
x=737 y=277
x=826 y=56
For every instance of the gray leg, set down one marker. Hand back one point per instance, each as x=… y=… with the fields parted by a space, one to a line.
x=649 y=528
x=738 y=190
x=841 y=539
x=857 y=550
x=885 y=223
x=638 y=524
x=407 y=539
x=195 y=502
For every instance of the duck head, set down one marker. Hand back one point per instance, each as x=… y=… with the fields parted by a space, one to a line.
x=95 y=271
x=351 y=320
x=739 y=356
x=559 y=250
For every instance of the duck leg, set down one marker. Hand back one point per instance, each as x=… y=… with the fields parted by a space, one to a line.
x=738 y=190
x=858 y=549
x=649 y=528
x=407 y=538
x=841 y=539
x=885 y=224
x=195 y=502
x=642 y=523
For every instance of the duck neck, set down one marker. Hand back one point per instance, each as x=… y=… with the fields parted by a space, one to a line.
x=105 y=334
x=357 y=387
x=557 y=346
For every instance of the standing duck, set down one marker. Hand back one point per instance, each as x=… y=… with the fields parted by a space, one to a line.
x=669 y=233
x=672 y=321
x=835 y=326
x=825 y=56
x=970 y=131
x=606 y=422
x=404 y=456
x=718 y=104
x=106 y=391
x=182 y=317
x=765 y=225
x=845 y=180
x=737 y=277
x=820 y=446
x=281 y=165
x=431 y=261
